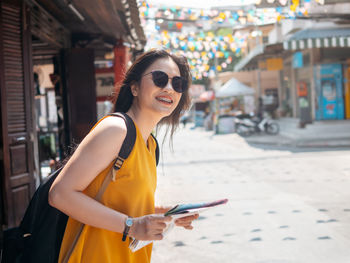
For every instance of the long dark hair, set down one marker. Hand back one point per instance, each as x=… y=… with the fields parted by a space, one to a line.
x=124 y=100
x=133 y=75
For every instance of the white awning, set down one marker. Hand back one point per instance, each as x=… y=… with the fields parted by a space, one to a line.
x=318 y=38
x=234 y=88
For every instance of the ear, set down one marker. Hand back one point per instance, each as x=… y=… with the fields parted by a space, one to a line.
x=134 y=89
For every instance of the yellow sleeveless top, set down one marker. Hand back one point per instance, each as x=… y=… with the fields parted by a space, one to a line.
x=132 y=193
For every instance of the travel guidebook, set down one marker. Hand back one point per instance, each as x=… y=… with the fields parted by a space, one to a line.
x=176 y=212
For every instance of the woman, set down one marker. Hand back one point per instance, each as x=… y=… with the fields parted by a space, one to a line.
x=154 y=91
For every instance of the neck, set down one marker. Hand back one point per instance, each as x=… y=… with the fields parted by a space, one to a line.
x=145 y=121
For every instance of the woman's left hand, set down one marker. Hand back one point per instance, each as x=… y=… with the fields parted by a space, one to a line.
x=186 y=222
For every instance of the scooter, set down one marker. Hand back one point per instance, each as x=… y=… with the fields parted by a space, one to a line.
x=247 y=125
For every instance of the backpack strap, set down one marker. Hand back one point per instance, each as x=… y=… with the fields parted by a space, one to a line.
x=124 y=153
x=125 y=150
x=157 y=149
x=128 y=143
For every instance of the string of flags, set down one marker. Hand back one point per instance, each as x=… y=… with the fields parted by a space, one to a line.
x=206 y=35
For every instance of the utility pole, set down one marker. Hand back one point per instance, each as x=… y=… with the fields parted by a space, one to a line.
x=257 y=43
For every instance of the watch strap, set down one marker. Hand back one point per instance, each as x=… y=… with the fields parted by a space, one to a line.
x=126 y=230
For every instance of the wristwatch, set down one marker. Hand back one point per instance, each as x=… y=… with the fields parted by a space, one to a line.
x=128 y=223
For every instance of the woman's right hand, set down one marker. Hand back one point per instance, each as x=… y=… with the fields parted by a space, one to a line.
x=149 y=227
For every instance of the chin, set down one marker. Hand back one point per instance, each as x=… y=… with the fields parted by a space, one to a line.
x=164 y=112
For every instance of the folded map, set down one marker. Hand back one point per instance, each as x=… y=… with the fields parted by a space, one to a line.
x=176 y=212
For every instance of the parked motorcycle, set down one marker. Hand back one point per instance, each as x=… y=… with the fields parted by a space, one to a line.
x=247 y=125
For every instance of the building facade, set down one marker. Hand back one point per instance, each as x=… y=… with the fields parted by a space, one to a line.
x=37 y=121
x=310 y=56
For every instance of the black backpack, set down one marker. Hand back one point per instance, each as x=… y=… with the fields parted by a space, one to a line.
x=39 y=236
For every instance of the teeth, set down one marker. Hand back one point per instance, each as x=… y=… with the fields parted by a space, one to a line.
x=165 y=99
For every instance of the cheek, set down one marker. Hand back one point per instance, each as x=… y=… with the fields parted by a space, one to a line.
x=146 y=91
x=179 y=96
x=146 y=87
x=178 y=99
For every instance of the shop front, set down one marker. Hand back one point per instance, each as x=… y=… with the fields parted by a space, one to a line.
x=329 y=88
x=303 y=86
x=320 y=59
x=48 y=86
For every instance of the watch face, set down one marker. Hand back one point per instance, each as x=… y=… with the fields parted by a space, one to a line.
x=129 y=222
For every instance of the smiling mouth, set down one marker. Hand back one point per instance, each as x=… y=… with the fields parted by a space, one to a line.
x=167 y=101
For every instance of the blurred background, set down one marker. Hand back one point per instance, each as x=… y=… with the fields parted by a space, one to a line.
x=270 y=87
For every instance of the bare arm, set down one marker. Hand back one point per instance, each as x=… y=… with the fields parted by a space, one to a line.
x=95 y=153
x=98 y=149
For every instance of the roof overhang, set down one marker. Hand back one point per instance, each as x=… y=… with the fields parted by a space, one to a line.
x=319 y=38
x=111 y=21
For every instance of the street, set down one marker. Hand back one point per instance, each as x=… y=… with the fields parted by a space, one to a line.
x=285 y=204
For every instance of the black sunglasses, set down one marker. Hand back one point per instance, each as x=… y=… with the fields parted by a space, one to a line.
x=160 y=79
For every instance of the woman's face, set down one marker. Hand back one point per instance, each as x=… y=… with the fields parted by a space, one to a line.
x=156 y=100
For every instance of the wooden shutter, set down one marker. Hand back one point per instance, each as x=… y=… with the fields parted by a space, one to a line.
x=16 y=109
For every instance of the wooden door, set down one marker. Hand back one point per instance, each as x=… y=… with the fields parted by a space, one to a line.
x=16 y=110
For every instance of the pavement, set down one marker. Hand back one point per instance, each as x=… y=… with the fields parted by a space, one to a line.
x=330 y=133
x=286 y=204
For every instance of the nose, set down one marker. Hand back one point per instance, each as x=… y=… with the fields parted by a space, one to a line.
x=169 y=86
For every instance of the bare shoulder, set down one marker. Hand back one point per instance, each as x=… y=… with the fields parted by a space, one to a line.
x=111 y=127
x=96 y=151
x=108 y=135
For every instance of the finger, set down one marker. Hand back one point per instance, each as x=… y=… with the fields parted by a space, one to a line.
x=156 y=232
x=195 y=216
x=184 y=225
x=185 y=220
x=181 y=221
x=158 y=237
x=167 y=218
x=160 y=225
x=189 y=218
x=159 y=229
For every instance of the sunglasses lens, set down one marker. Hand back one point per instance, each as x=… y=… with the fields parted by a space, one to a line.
x=177 y=83
x=160 y=78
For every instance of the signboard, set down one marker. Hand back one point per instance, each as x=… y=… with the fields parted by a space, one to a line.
x=104 y=82
x=274 y=64
x=302 y=89
x=298 y=60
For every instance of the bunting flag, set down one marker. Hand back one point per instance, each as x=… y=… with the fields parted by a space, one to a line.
x=211 y=51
